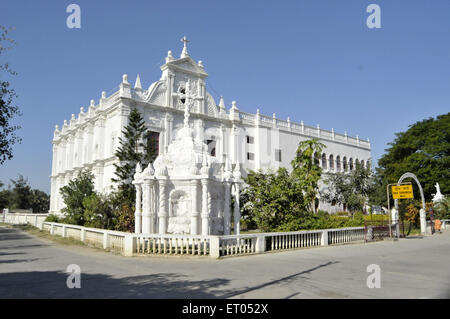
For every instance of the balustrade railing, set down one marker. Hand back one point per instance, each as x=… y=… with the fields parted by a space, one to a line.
x=130 y=244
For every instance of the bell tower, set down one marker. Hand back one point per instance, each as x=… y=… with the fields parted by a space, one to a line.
x=185 y=78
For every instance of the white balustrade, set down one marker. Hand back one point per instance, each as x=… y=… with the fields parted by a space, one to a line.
x=130 y=244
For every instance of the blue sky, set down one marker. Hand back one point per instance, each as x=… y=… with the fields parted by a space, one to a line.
x=314 y=60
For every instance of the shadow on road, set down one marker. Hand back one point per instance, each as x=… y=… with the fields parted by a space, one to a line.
x=52 y=284
x=284 y=280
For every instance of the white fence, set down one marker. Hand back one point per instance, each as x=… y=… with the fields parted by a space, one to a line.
x=262 y=242
x=22 y=218
x=129 y=244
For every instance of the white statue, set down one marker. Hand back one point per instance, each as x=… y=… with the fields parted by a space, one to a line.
x=438 y=196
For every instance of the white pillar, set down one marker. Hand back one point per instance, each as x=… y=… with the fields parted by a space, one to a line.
x=151 y=207
x=162 y=214
x=194 y=212
x=394 y=216
x=423 y=221
x=138 y=211
x=232 y=145
x=237 y=210
x=205 y=213
x=146 y=208
x=227 y=212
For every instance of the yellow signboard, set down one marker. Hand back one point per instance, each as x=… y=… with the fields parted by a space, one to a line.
x=402 y=192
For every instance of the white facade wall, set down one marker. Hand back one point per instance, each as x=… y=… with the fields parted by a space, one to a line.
x=90 y=139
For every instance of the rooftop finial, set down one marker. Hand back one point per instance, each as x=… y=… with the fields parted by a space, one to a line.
x=169 y=56
x=137 y=84
x=125 y=79
x=185 y=41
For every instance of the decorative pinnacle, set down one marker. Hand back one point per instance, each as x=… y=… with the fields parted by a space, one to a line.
x=137 y=84
x=169 y=56
x=185 y=41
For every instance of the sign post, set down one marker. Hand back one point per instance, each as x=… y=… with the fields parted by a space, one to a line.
x=399 y=191
x=402 y=191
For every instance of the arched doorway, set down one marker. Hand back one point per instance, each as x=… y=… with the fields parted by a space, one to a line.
x=423 y=224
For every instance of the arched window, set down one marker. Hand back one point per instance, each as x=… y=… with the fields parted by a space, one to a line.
x=362 y=164
x=324 y=161
x=316 y=159
x=350 y=164
x=344 y=163
x=331 y=163
x=338 y=163
x=356 y=163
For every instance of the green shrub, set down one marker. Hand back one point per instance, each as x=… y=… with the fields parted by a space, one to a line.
x=98 y=212
x=342 y=214
x=53 y=219
x=73 y=195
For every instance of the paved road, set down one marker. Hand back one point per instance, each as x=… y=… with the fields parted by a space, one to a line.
x=32 y=267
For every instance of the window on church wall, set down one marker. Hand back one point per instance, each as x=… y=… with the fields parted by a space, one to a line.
x=211 y=147
x=356 y=162
x=250 y=156
x=362 y=164
x=338 y=163
x=278 y=155
x=351 y=164
x=152 y=143
x=344 y=164
x=324 y=161
x=316 y=159
x=250 y=139
x=183 y=91
x=331 y=163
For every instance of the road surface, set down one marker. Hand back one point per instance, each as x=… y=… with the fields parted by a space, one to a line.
x=32 y=267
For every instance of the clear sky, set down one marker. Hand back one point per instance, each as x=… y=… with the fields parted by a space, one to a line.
x=311 y=60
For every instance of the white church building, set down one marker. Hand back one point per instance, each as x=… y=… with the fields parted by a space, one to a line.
x=250 y=140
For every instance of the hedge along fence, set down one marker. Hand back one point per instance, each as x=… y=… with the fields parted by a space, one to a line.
x=129 y=244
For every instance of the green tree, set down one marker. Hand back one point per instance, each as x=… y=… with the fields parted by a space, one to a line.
x=281 y=200
x=98 y=212
x=5 y=197
x=21 y=194
x=424 y=150
x=73 y=196
x=350 y=189
x=8 y=109
x=136 y=146
x=40 y=202
x=442 y=208
x=132 y=150
x=306 y=170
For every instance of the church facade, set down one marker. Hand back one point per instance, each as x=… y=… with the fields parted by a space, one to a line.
x=252 y=140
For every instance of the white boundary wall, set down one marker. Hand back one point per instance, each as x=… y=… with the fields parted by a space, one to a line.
x=22 y=219
x=130 y=244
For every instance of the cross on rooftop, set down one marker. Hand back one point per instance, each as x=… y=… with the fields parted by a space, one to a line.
x=185 y=42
